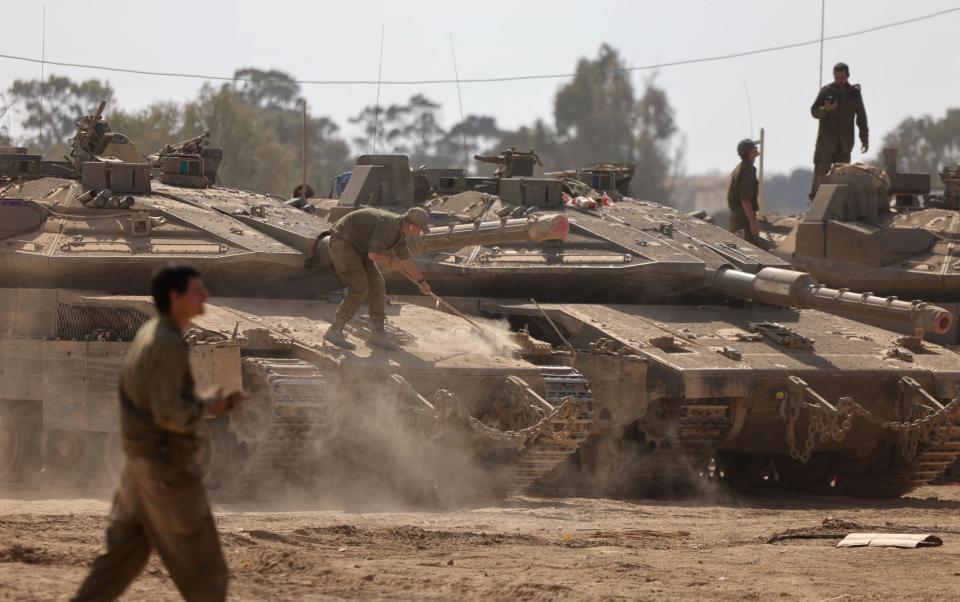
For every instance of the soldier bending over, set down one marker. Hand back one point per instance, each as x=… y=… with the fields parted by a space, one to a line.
x=360 y=241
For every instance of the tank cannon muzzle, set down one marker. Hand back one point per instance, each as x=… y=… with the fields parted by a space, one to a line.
x=536 y=228
x=800 y=290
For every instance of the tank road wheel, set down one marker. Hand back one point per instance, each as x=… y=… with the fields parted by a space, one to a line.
x=11 y=442
x=216 y=452
x=113 y=458
x=69 y=456
x=19 y=437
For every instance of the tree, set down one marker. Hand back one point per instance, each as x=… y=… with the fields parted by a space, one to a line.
x=64 y=100
x=271 y=90
x=254 y=159
x=411 y=129
x=659 y=156
x=478 y=133
x=927 y=144
x=595 y=111
x=278 y=97
x=151 y=128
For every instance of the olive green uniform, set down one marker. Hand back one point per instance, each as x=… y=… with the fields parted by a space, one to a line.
x=160 y=502
x=743 y=185
x=354 y=236
x=835 y=134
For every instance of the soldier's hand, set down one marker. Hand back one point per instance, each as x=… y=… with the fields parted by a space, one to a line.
x=221 y=405
x=424 y=287
x=864 y=148
x=829 y=105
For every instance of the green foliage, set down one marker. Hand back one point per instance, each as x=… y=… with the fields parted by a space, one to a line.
x=48 y=126
x=927 y=144
x=659 y=157
x=595 y=112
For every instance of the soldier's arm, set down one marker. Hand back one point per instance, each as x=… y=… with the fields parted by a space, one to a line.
x=746 y=188
x=173 y=409
x=862 y=122
x=816 y=109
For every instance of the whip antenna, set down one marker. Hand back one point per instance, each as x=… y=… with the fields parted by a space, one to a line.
x=823 y=21
x=463 y=130
x=376 y=111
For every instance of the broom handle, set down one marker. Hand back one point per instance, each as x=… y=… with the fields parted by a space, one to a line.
x=439 y=300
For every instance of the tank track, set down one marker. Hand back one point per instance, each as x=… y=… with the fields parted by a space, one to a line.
x=302 y=417
x=545 y=453
x=687 y=452
x=927 y=466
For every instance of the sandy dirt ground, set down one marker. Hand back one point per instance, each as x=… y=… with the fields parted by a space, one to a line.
x=527 y=549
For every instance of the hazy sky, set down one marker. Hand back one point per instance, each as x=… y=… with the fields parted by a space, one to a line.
x=909 y=70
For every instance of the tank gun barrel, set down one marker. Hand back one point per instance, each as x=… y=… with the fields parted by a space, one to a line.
x=798 y=289
x=537 y=228
x=490 y=159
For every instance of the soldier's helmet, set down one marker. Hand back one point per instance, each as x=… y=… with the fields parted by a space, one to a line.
x=744 y=146
x=419 y=217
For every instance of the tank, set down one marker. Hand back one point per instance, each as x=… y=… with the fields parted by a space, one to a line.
x=879 y=230
x=453 y=412
x=708 y=356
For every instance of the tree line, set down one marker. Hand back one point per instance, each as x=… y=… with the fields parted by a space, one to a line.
x=257 y=120
x=597 y=116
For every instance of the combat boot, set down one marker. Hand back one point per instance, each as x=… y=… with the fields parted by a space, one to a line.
x=336 y=336
x=378 y=338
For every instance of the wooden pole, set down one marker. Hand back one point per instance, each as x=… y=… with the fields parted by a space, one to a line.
x=763 y=153
x=303 y=178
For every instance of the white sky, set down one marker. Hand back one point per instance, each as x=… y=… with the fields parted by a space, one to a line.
x=907 y=71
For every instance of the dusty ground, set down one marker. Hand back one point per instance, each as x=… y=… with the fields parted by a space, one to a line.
x=531 y=549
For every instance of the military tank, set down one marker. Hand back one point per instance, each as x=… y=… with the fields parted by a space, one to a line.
x=706 y=355
x=78 y=242
x=880 y=230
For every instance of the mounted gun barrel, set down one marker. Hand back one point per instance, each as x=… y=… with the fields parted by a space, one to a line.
x=800 y=290
x=536 y=228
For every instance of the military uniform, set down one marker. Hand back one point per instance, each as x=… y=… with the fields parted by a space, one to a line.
x=743 y=185
x=161 y=501
x=354 y=236
x=835 y=135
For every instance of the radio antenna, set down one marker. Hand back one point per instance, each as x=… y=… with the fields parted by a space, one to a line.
x=43 y=58
x=463 y=130
x=376 y=114
x=823 y=21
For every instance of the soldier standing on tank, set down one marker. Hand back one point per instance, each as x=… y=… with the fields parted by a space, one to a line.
x=361 y=241
x=160 y=501
x=742 y=193
x=838 y=106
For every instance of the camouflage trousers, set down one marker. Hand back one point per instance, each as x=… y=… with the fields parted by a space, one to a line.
x=825 y=155
x=362 y=278
x=740 y=225
x=165 y=507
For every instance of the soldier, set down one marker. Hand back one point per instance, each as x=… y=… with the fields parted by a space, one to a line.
x=838 y=106
x=742 y=193
x=161 y=502
x=360 y=241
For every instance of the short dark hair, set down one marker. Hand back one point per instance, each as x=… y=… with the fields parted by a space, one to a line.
x=842 y=67
x=171 y=278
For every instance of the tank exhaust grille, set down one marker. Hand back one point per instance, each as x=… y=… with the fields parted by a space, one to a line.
x=98 y=322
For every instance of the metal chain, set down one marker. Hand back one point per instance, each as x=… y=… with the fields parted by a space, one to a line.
x=567 y=411
x=825 y=424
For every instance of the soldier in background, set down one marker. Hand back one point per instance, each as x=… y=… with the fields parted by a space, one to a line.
x=838 y=106
x=360 y=241
x=742 y=193
x=161 y=501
